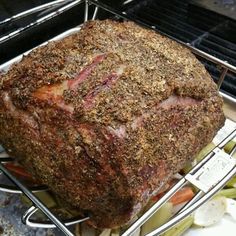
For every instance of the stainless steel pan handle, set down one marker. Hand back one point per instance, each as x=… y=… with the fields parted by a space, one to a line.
x=26 y=219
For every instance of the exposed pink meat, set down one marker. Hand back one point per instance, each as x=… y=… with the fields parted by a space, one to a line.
x=107 y=82
x=73 y=84
x=177 y=101
x=172 y=101
x=54 y=93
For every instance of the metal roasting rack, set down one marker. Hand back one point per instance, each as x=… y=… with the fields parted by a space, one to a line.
x=201 y=176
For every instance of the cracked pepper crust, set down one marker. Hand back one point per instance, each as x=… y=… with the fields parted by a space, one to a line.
x=106 y=116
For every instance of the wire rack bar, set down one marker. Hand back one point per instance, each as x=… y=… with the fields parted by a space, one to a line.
x=48 y=225
x=36 y=201
x=183 y=214
x=196 y=51
x=197 y=201
x=40 y=20
x=34 y=10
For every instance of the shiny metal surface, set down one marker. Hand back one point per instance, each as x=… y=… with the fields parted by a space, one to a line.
x=13 y=189
x=34 y=10
x=196 y=51
x=197 y=201
x=26 y=219
x=223 y=7
x=40 y=20
x=36 y=201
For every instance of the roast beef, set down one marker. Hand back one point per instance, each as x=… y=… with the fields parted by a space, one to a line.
x=106 y=116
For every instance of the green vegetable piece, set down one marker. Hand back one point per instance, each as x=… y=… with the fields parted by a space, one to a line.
x=180 y=228
x=45 y=197
x=115 y=232
x=158 y=219
x=234 y=155
x=232 y=182
x=229 y=193
x=187 y=168
x=207 y=149
x=229 y=146
x=105 y=232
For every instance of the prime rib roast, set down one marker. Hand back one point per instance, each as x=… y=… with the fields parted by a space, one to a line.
x=106 y=116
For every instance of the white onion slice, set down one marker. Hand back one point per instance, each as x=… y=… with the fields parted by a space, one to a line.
x=211 y=212
x=231 y=207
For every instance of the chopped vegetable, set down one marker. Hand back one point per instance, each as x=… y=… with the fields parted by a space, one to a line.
x=231 y=208
x=85 y=229
x=229 y=146
x=234 y=155
x=211 y=212
x=180 y=228
x=159 y=218
x=232 y=182
x=45 y=197
x=183 y=195
x=105 y=232
x=207 y=149
x=18 y=170
x=77 y=230
x=115 y=232
x=229 y=193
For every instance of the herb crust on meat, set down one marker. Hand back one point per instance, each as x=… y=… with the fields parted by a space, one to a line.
x=106 y=116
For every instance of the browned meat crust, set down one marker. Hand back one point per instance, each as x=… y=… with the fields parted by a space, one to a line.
x=106 y=116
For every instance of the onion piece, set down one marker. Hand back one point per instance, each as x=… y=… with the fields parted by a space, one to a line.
x=211 y=212
x=231 y=208
x=105 y=232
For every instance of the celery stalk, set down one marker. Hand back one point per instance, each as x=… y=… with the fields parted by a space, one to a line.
x=205 y=151
x=229 y=146
x=180 y=228
x=45 y=197
x=229 y=193
x=232 y=182
x=105 y=232
x=159 y=218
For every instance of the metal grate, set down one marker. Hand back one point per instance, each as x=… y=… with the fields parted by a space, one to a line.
x=201 y=30
x=40 y=23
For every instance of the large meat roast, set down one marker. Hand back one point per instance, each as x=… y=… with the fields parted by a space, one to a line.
x=106 y=116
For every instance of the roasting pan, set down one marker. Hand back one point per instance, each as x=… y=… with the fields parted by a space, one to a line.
x=227 y=133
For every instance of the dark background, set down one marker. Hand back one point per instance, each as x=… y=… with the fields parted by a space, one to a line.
x=36 y=35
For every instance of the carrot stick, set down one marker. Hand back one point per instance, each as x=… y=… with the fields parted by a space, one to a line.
x=183 y=195
x=18 y=170
x=164 y=189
